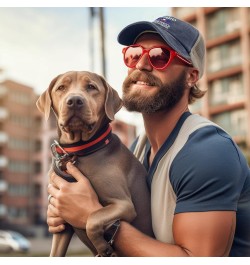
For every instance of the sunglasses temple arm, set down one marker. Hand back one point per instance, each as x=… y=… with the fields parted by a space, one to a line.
x=183 y=59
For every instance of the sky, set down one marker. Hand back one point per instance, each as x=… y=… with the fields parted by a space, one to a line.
x=38 y=43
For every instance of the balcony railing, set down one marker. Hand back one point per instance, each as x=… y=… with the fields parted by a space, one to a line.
x=3 y=138
x=3 y=113
x=3 y=210
x=3 y=162
x=3 y=186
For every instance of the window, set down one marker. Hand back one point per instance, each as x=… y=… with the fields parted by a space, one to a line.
x=226 y=91
x=214 y=61
x=223 y=21
x=18 y=190
x=37 y=167
x=224 y=56
x=233 y=122
x=37 y=145
x=22 y=121
x=19 y=144
x=14 y=212
x=37 y=190
x=20 y=97
x=16 y=166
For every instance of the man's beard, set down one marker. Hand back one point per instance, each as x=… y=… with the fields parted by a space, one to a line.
x=167 y=96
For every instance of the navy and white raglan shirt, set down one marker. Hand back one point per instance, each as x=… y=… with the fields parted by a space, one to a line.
x=199 y=168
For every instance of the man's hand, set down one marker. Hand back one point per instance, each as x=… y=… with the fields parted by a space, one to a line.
x=70 y=202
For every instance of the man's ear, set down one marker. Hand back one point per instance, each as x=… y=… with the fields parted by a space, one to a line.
x=113 y=102
x=44 y=102
x=192 y=77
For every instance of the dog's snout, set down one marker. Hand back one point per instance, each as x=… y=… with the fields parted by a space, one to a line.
x=75 y=102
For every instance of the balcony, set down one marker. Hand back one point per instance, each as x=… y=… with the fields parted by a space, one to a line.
x=224 y=56
x=3 y=162
x=3 y=138
x=222 y=22
x=3 y=186
x=226 y=91
x=3 y=113
x=3 y=210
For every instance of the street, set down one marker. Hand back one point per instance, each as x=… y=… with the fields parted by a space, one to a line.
x=40 y=247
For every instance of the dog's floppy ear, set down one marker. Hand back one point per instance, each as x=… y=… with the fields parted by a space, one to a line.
x=44 y=101
x=112 y=102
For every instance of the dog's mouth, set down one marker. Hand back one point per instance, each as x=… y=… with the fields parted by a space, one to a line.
x=76 y=125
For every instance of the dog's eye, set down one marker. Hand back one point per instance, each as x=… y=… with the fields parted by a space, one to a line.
x=61 y=87
x=91 y=87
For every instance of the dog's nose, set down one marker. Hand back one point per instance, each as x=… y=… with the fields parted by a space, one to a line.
x=74 y=102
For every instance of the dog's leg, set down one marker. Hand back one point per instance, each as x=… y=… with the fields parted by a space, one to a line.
x=84 y=238
x=100 y=219
x=60 y=242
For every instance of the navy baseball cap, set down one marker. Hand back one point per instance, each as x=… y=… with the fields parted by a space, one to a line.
x=181 y=36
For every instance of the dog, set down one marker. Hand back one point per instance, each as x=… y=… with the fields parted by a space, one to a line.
x=84 y=105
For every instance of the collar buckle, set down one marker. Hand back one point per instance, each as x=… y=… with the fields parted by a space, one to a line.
x=62 y=159
x=55 y=154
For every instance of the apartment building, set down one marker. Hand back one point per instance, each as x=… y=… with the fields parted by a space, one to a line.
x=20 y=155
x=227 y=76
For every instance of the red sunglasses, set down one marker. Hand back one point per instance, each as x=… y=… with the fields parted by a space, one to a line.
x=159 y=57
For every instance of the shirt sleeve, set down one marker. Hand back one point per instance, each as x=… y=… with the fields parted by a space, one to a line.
x=206 y=174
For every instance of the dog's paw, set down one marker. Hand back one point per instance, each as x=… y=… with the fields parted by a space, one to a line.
x=108 y=252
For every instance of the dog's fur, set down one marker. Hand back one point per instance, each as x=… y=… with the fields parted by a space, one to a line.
x=117 y=176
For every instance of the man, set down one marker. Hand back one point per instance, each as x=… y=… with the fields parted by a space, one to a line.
x=199 y=179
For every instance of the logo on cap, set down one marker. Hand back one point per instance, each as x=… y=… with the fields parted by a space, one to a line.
x=165 y=21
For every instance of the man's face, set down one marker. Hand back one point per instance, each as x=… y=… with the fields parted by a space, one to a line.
x=148 y=90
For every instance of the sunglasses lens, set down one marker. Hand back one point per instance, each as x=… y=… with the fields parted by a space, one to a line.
x=159 y=57
x=132 y=56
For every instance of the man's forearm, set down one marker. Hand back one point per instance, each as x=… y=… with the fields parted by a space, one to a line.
x=130 y=242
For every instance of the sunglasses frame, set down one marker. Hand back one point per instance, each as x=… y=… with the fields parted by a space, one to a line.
x=173 y=54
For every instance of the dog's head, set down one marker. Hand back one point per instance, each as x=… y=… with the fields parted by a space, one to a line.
x=82 y=102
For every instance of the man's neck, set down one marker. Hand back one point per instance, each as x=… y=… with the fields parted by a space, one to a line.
x=159 y=125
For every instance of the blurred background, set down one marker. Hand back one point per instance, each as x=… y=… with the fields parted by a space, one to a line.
x=37 y=44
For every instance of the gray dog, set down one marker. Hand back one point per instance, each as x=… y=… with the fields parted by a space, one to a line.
x=84 y=104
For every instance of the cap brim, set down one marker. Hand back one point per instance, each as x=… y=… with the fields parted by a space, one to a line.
x=130 y=33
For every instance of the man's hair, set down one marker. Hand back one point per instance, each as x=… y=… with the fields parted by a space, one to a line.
x=195 y=93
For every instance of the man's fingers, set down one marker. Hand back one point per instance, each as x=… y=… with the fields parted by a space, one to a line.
x=55 y=221
x=74 y=171
x=56 y=229
x=53 y=191
x=56 y=180
x=52 y=201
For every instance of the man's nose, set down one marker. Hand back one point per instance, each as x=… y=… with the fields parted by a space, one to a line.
x=144 y=64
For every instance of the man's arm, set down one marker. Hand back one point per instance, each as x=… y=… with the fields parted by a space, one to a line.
x=207 y=234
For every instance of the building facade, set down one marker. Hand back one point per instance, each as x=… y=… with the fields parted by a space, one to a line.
x=226 y=31
x=20 y=155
